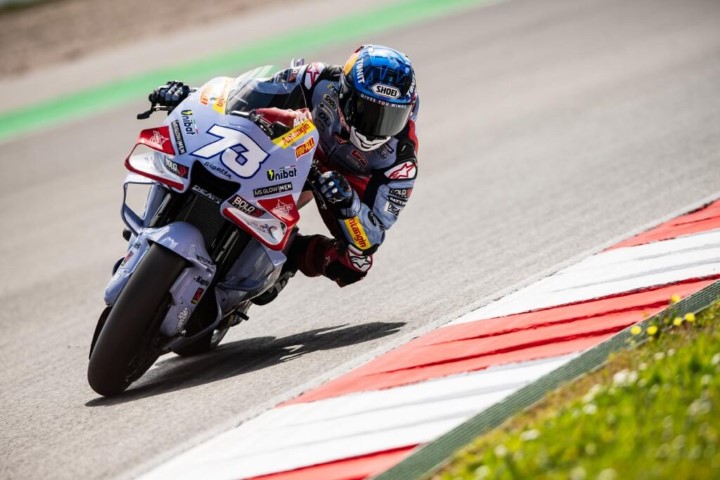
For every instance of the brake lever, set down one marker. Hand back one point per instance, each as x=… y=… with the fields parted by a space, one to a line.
x=153 y=108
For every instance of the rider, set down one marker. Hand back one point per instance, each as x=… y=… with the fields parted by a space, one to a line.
x=365 y=112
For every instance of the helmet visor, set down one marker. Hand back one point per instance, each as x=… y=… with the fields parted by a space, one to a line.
x=375 y=119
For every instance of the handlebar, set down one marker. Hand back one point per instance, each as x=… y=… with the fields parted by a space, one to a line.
x=153 y=108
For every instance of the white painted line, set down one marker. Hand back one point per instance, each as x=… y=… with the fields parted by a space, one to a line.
x=300 y=435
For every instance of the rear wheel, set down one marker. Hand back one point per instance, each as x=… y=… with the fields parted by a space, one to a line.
x=126 y=347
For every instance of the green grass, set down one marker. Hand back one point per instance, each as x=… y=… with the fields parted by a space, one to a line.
x=650 y=412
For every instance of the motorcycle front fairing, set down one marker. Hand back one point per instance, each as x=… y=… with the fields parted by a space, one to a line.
x=212 y=130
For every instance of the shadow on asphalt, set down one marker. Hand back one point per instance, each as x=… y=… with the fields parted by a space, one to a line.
x=241 y=357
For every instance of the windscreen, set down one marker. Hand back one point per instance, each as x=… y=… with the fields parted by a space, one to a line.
x=256 y=89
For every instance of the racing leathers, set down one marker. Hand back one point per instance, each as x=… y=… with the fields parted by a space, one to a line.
x=382 y=182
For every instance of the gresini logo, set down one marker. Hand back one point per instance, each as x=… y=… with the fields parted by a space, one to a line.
x=281 y=173
x=178 y=137
x=282 y=209
x=386 y=90
x=264 y=191
x=158 y=138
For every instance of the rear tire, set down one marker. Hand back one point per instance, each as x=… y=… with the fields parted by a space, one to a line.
x=125 y=347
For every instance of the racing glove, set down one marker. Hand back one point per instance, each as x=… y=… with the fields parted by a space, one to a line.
x=337 y=193
x=170 y=95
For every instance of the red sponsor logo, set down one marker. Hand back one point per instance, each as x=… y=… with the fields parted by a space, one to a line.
x=198 y=295
x=283 y=208
x=305 y=148
x=157 y=139
x=359 y=157
x=403 y=171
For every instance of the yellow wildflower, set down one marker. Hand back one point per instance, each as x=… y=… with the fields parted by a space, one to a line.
x=690 y=317
x=636 y=330
x=652 y=330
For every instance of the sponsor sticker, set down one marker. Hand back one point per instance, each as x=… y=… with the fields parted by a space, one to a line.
x=189 y=124
x=282 y=173
x=157 y=139
x=359 y=158
x=330 y=101
x=198 y=295
x=359 y=261
x=403 y=171
x=216 y=93
x=127 y=258
x=312 y=73
x=205 y=261
x=305 y=148
x=385 y=90
x=219 y=105
x=293 y=135
x=357 y=233
x=183 y=314
x=360 y=71
x=272 y=189
x=324 y=117
x=391 y=208
x=403 y=193
x=215 y=168
x=385 y=151
x=270 y=229
x=244 y=206
x=373 y=219
x=210 y=196
x=179 y=142
x=398 y=201
x=283 y=208
x=176 y=168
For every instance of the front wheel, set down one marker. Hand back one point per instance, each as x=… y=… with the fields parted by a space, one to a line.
x=125 y=347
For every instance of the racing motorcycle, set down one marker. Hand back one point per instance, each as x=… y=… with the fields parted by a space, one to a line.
x=224 y=186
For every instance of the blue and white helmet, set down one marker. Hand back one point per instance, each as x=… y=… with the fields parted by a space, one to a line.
x=377 y=94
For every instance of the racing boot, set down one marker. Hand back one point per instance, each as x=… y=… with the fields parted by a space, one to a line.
x=316 y=255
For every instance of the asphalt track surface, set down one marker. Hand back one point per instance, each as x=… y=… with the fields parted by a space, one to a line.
x=546 y=129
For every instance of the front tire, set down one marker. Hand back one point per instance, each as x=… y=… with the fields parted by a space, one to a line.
x=125 y=347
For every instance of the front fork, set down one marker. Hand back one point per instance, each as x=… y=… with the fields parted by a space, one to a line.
x=185 y=241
